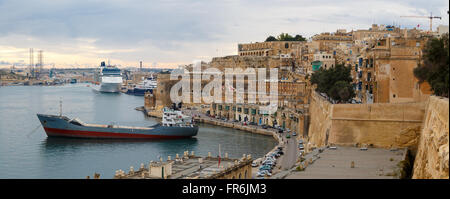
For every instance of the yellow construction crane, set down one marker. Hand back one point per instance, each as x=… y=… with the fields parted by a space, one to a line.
x=431 y=17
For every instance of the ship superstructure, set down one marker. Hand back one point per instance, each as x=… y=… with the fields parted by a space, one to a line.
x=148 y=84
x=108 y=79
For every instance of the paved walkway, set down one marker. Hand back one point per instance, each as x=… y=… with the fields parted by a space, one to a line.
x=375 y=163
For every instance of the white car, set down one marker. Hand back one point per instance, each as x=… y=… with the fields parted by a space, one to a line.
x=263 y=173
x=269 y=162
x=254 y=164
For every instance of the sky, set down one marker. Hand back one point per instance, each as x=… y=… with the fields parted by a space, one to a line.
x=169 y=33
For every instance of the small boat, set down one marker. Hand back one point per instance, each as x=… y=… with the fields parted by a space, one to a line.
x=173 y=125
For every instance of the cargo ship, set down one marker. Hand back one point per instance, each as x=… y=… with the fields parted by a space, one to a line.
x=174 y=125
x=107 y=79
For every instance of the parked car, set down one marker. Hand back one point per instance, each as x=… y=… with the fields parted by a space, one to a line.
x=270 y=163
x=294 y=134
x=264 y=126
x=260 y=174
x=281 y=153
x=254 y=164
x=300 y=141
x=300 y=146
x=288 y=136
x=265 y=172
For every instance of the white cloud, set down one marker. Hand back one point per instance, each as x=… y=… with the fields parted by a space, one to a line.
x=173 y=32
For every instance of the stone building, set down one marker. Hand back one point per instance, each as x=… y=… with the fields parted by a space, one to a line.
x=190 y=166
x=271 y=48
x=384 y=71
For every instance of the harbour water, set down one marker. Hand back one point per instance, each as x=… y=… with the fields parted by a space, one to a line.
x=25 y=153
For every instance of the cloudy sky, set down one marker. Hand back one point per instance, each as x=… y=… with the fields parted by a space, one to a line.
x=167 y=33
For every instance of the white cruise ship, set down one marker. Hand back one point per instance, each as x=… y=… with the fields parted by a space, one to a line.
x=108 y=79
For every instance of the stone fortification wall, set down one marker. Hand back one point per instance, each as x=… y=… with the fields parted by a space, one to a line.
x=379 y=125
x=432 y=156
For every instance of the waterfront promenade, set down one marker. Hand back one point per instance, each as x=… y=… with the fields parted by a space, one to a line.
x=290 y=149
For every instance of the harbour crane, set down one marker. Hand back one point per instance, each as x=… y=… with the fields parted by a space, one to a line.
x=431 y=17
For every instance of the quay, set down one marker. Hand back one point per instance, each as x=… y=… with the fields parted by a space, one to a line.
x=190 y=166
x=285 y=162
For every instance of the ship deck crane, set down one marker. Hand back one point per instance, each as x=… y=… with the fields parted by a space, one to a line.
x=431 y=17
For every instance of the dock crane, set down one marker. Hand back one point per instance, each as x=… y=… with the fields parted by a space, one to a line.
x=431 y=17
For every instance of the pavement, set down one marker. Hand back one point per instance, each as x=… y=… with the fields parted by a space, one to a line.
x=375 y=163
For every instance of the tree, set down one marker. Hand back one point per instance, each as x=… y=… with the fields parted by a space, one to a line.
x=271 y=38
x=335 y=82
x=435 y=67
x=285 y=37
x=299 y=38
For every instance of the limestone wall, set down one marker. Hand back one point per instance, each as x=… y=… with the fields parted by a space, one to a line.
x=379 y=125
x=320 y=124
x=432 y=156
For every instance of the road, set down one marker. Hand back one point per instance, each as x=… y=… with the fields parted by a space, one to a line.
x=290 y=153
